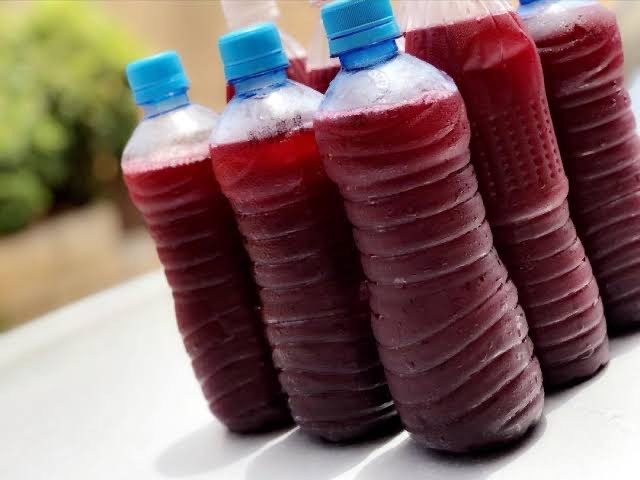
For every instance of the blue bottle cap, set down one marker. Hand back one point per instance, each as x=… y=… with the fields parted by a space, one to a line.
x=527 y=2
x=251 y=51
x=352 y=24
x=156 y=77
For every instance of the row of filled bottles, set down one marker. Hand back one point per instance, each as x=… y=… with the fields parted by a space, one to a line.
x=403 y=247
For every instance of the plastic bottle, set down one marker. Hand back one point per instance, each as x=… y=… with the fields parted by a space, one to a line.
x=483 y=45
x=168 y=173
x=321 y=67
x=314 y=301
x=581 y=51
x=243 y=13
x=394 y=136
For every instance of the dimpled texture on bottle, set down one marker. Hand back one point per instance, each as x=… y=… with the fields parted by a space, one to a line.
x=581 y=51
x=451 y=334
x=314 y=302
x=168 y=174
x=485 y=48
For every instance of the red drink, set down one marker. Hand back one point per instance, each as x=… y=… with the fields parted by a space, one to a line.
x=522 y=181
x=297 y=70
x=320 y=78
x=582 y=59
x=230 y=92
x=201 y=251
x=314 y=305
x=451 y=335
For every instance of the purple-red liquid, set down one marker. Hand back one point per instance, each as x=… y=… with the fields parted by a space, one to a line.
x=524 y=187
x=320 y=78
x=314 y=302
x=582 y=60
x=297 y=72
x=215 y=302
x=451 y=335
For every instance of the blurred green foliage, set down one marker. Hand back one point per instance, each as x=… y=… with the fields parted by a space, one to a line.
x=65 y=109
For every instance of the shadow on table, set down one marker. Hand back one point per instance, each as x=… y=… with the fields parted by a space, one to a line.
x=409 y=460
x=621 y=343
x=555 y=398
x=299 y=456
x=208 y=449
x=294 y=455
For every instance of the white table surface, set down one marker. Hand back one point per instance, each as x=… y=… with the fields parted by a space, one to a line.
x=102 y=389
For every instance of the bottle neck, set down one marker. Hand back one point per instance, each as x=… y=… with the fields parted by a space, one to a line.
x=250 y=85
x=166 y=104
x=531 y=5
x=370 y=55
x=524 y=3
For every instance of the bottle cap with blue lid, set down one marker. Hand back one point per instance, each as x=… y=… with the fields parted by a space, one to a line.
x=353 y=24
x=156 y=77
x=252 y=51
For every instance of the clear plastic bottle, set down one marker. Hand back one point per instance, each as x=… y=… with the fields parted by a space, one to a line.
x=321 y=67
x=243 y=13
x=296 y=232
x=581 y=51
x=168 y=173
x=452 y=337
x=484 y=46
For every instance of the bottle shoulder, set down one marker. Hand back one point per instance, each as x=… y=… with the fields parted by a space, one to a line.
x=181 y=132
x=552 y=18
x=269 y=112
x=418 y=15
x=552 y=7
x=401 y=79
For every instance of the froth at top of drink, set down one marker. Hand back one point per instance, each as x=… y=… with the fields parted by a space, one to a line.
x=172 y=156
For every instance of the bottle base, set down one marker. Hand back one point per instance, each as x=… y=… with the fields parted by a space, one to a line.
x=266 y=419
x=346 y=432
x=573 y=373
x=466 y=443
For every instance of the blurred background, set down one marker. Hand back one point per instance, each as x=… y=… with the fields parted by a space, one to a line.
x=67 y=228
